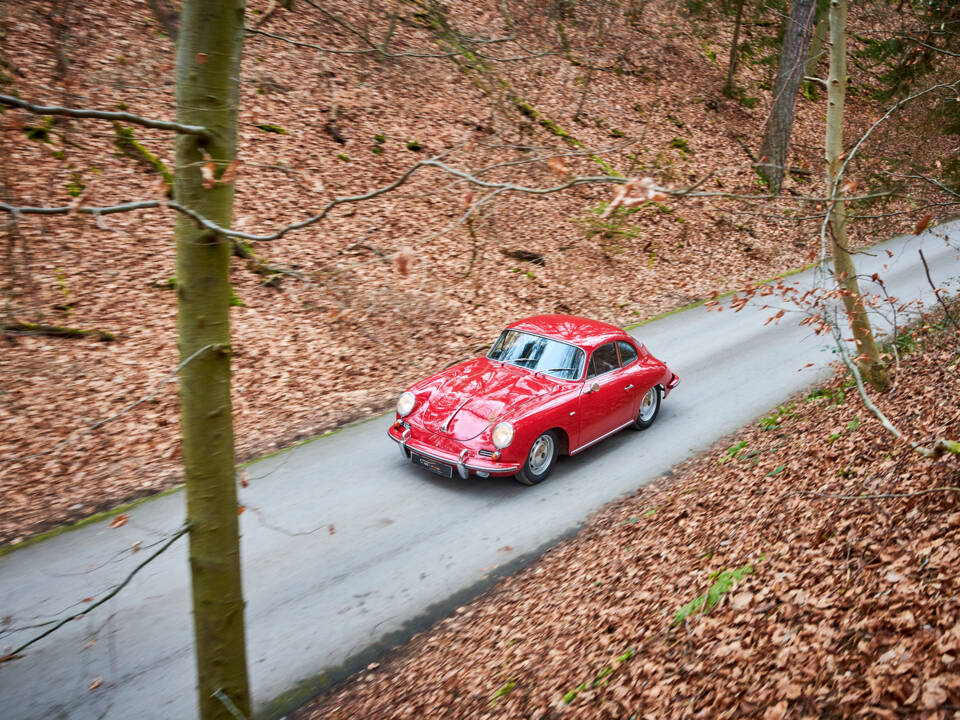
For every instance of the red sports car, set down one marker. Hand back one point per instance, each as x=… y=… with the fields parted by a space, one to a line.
x=550 y=384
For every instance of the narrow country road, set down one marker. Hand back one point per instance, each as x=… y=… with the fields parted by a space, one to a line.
x=347 y=551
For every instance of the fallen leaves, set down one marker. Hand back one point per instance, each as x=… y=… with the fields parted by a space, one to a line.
x=849 y=605
x=633 y=193
x=119 y=521
x=922 y=224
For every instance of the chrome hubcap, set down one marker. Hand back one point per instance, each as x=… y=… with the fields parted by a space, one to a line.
x=541 y=454
x=648 y=405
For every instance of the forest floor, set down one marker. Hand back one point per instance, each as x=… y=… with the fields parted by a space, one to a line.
x=384 y=292
x=808 y=566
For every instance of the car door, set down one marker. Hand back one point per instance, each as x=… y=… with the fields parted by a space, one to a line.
x=604 y=400
x=636 y=375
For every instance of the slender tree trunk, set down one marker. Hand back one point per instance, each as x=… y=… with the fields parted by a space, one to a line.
x=814 y=54
x=868 y=355
x=208 y=70
x=734 y=51
x=776 y=137
x=166 y=15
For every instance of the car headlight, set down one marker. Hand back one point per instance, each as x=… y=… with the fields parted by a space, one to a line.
x=405 y=404
x=502 y=435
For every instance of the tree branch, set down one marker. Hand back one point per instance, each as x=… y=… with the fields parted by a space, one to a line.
x=936 y=291
x=16 y=653
x=198 y=130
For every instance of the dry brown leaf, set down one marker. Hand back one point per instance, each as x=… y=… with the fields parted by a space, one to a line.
x=119 y=521
x=207 y=171
x=404 y=259
x=558 y=166
x=922 y=224
x=95 y=683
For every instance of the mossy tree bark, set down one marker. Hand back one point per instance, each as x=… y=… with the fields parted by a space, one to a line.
x=208 y=68
x=869 y=360
x=776 y=136
x=734 y=50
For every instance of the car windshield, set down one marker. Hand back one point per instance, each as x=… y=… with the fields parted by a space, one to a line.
x=539 y=354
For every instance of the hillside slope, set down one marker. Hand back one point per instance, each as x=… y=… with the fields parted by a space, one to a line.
x=381 y=292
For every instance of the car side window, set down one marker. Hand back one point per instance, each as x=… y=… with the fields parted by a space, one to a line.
x=604 y=360
x=627 y=353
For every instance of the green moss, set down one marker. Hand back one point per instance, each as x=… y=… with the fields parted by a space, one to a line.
x=680 y=144
x=97 y=517
x=380 y=138
x=269 y=128
x=126 y=142
x=414 y=146
x=40 y=133
x=376 y=150
x=75 y=186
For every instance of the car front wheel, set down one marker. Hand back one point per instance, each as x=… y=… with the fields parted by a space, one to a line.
x=649 y=408
x=540 y=460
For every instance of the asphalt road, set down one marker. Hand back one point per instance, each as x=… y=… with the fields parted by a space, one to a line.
x=347 y=550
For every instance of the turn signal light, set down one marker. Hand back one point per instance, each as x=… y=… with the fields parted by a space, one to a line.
x=495 y=456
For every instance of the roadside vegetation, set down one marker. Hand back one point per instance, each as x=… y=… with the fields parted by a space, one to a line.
x=806 y=566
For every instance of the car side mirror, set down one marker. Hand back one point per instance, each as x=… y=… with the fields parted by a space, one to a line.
x=593 y=388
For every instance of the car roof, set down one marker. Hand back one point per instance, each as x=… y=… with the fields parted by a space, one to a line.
x=581 y=331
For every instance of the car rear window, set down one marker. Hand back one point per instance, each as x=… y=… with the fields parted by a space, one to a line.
x=627 y=353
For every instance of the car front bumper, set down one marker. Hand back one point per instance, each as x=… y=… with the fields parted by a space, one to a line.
x=464 y=460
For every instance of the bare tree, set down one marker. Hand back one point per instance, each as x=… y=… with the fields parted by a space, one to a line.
x=871 y=365
x=776 y=136
x=734 y=50
x=207 y=74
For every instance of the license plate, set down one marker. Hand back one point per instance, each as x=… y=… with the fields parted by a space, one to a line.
x=433 y=465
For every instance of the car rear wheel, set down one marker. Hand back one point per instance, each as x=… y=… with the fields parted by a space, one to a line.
x=540 y=460
x=649 y=408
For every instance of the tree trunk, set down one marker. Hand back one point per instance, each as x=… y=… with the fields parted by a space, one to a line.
x=167 y=16
x=734 y=51
x=868 y=355
x=208 y=70
x=814 y=54
x=776 y=136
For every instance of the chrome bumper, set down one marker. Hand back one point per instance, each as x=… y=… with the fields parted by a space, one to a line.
x=461 y=464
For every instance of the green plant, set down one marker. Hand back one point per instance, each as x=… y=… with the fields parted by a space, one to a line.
x=678 y=143
x=772 y=422
x=236 y=301
x=414 y=146
x=269 y=128
x=503 y=691
x=380 y=138
x=376 y=150
x=343 y=156
x=40 y=133
x=601 y=678
x=731 y=452
x=722 y=583
x=75 y=186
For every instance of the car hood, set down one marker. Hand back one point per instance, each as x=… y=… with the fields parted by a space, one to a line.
x=474 y=396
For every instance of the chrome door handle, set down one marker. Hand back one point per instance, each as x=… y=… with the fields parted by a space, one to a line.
x=629 y=387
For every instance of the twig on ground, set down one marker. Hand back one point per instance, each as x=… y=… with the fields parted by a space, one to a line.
x=937 y=291
x=17 y=652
